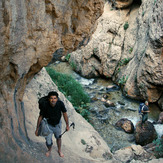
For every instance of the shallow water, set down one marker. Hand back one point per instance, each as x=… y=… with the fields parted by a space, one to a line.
x=104 y=118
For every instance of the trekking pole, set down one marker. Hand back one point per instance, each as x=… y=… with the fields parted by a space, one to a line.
x=72 y=124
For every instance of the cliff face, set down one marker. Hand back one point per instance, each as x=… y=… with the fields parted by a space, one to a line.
x=31 y=31
x=127 y=47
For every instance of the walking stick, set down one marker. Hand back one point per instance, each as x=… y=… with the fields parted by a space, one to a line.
x=72 y=124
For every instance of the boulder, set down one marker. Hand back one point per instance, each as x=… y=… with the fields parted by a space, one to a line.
x=111 y=88
x=160 y=120
x=121 y=4
x=160 y=102
x=145 y=134
x=134 y=153
x=125 y=124
x=108 y=103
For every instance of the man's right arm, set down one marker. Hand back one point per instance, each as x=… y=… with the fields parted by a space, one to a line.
x=38 y=124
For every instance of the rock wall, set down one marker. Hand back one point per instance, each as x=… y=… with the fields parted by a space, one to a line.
x=31 y=31
x=127 y=47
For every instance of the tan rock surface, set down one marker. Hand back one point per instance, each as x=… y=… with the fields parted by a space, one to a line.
x=127 y=47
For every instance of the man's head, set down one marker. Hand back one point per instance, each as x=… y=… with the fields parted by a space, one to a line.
x=53 y=98
x=146 y=103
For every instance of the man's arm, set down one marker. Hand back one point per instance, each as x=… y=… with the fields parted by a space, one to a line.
x=65 y=116
x=38 y=124
x=146 y=111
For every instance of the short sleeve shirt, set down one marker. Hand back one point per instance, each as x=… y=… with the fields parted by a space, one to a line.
x=53 y=114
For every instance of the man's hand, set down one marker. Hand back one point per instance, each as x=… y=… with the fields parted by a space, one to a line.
x=36 y=132
x=38 y=124
x=67 y=128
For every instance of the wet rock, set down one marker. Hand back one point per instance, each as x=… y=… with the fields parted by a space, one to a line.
x=131 y=138
x=145 y=134
x=104 y=119
x=94 y=99
x=160 y=120
x=121 y=103
x=83 y=81
x=125 y=124
x=105 y=96
x=111 y=88
x=109 y=104
x=101 y=88
x=103 y=99
x=131 y=109
x=93 y=109
x=160 y=102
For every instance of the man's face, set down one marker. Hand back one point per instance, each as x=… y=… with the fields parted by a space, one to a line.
x=53 y=100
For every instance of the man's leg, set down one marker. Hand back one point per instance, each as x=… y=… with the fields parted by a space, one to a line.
x=49 y=151
x=145 y=117
x=59 y=147
x=57 y=134
x=49 y=144
x=142 y=122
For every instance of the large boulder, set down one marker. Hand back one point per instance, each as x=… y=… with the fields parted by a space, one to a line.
x=145 y=134
x=125 y=124
x=135 y=153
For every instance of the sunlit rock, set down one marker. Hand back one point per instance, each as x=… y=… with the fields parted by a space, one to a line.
x=125 y=124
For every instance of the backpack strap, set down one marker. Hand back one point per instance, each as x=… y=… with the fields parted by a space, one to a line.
x=143 y=107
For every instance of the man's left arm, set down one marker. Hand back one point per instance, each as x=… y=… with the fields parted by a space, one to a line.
x=65 y=116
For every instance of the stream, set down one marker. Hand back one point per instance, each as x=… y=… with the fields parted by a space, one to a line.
x=103 y=118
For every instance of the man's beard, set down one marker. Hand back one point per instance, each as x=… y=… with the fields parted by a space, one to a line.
x=53 y=103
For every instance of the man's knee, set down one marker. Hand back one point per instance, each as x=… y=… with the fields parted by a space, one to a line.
x=49 y=144
x=49 y=141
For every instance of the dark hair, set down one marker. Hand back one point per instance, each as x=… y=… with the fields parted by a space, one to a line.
x=52 y=93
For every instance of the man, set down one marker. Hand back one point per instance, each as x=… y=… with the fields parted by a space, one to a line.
x=145 y=112
x=53 y=110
